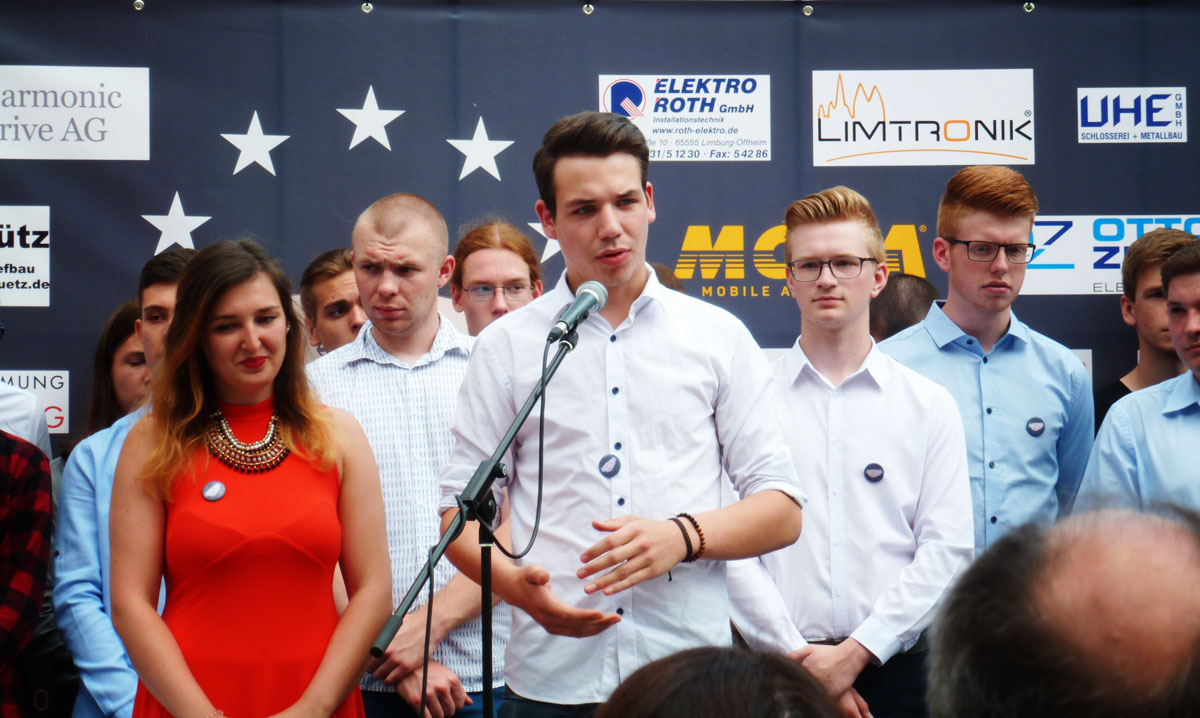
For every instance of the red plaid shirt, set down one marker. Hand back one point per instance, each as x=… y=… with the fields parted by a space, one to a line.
x=26 y=522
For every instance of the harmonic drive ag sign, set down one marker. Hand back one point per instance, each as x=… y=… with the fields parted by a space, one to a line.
x=922 y=117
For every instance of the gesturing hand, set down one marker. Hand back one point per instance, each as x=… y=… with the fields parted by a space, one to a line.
x=636 y=550
x=535 y=598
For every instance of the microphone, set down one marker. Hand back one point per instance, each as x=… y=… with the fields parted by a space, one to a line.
x=591 y=296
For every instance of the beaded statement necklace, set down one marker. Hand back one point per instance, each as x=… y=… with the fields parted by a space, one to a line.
x=263 y=455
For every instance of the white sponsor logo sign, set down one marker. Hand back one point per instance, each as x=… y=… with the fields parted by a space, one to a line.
x=52 y=389
x=1082 y=254
x=922 y=117
x=1132 y=114
x=24 y=256
x=74 y=113
x=714 y=118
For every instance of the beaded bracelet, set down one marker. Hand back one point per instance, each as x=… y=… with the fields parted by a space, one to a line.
x=699 y=532
x=687 y=540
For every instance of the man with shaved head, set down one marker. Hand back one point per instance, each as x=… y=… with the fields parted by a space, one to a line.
x=400 y=378
x=1097 y=616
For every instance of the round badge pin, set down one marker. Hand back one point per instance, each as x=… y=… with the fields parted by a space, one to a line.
x=213 y=491
x=1035 y=426
x=873 y=472
x=610 y=466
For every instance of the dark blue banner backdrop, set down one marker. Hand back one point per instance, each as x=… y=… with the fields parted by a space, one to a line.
x=124 y=131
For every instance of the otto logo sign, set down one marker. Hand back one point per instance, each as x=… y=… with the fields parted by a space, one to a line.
x=1132 y=114
x=74 y=113
x=24 y=256
x=721 y=262
x=52 y=389
x=1083 y=254
x=922 y=117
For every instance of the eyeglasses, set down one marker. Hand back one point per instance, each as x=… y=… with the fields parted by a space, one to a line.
x=1019 y=253
x=484 y=293
x=809 y=270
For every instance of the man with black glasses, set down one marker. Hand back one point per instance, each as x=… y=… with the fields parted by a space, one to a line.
x=1025 y=400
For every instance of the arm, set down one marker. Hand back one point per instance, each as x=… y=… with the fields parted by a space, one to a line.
x=137 y=532
x=25 y=538
x=1075 y=442
x=640 y=549
x=367 y=572
x=79 y=607
x=1112 y=472
x=757 y=609
x=458 y=602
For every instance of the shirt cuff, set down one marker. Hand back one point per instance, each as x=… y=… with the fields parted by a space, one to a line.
x=783 y=485
x=876 y=638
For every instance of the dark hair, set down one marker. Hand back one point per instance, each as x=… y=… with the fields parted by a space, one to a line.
x=1153 y=247
x=993 y=654
x=164 y=268
x=103 y=409
x=588 y=134
x=1184 y=261
x=495 y=234
x=326 y=265
x=999 y=191
x=715 y=682
x=904 y=301
x=183 y=393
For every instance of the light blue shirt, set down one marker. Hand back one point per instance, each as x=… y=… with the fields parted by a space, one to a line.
x=1146 y=451
x=83 y=594
x=1027 y=414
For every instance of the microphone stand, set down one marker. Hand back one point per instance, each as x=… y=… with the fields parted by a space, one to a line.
x=476 y=503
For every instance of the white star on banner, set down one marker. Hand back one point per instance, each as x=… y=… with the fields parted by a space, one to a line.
x=255 y=146
x=176 y=227
x=370 y=121
x=480 y=152
x=551 y=247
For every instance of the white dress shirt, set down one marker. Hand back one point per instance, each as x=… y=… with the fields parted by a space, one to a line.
x=406 y=411
x=876 y=556
x=21 y=415
x=639 y=420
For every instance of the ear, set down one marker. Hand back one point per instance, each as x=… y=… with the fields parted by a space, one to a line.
x=445 y=271
x=1127 y=311
x=312 y=332
x=547 y=217
x=881 y=275
x=941 y=254
x=650 y=214
x=137 y=328
x=456 y=298
x=537 y=289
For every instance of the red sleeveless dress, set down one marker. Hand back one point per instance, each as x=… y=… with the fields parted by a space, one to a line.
x=250 y=578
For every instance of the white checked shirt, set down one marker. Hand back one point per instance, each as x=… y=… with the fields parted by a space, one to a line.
x=876 y=556
x=639 y=420
x=406 y=412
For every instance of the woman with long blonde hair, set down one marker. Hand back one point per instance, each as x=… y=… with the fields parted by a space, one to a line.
x=244 y=493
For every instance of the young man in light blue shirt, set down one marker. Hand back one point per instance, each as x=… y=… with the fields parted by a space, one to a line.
x=82 y=598
x=1146 y=451
x=1025 y=399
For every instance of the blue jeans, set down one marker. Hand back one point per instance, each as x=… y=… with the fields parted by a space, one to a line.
x=387 y=704
x=516 y=706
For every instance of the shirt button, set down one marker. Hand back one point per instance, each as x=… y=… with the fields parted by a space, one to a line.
x=991 y=464
x=613 y=338
x=970 y=341
x=985 y=360
x=836 y=542
x=617 y=446
x=620 y=502
x=620 y=612
x=993 y=519
x=835 y=492
x=615 y=390
x=989 y=410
